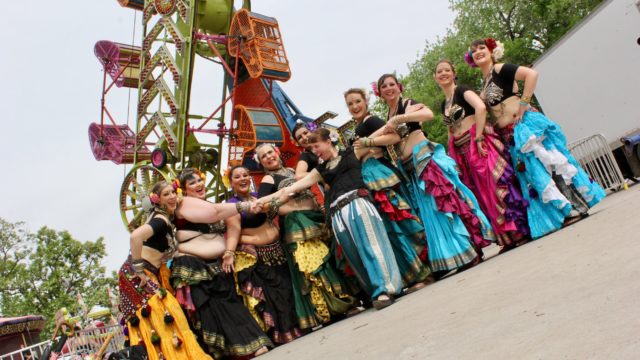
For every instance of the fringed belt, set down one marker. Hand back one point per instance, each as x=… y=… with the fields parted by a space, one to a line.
x=462 y=140
x=272 y=254
x=345 y=199
x=214 y=266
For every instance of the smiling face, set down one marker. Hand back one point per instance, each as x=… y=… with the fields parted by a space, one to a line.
x=481 y=54
x=195 y=187
x=240 y=181
x=357 y=105
x=444 y=74
x=389 y=90
x=268 y=157
x=168 y=199
x=322 y=149
x=302 y=137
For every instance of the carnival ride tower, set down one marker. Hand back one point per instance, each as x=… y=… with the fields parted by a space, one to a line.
x=167 y=136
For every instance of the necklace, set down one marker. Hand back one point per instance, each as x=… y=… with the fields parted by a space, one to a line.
x=395 y=110
x=449 y=102
x=333 y=162
x=486 y=78
x=281 y=171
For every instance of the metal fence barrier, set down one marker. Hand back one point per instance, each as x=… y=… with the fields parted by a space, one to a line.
x=595 y=156
x=34 y=352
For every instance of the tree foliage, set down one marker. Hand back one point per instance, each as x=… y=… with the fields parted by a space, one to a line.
x=527 y=29
x=43 y=272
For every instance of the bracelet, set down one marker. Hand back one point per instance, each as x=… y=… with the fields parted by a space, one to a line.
x=372 y=142
x=230 y=252
x=479 y=139
x=138 y=266
x=241 y=207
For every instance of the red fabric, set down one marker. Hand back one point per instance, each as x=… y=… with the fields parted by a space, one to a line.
x=393 y=212
x=448 y=201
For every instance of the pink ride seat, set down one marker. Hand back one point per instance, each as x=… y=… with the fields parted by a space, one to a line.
x=116 y=143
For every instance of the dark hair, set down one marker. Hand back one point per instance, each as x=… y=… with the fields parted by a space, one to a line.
x=236 y=168
x=385 y=77
x=478 y=42
x=186 y=174
x=321 y=134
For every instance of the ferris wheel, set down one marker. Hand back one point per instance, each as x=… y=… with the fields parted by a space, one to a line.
x=167 y=137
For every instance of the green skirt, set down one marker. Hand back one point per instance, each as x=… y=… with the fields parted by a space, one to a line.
x=319 y=290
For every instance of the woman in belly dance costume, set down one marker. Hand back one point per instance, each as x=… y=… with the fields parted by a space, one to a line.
x=319 y=289
x=153 y=315
x=478 y=152
x=455 y=226
x=202 y=275
x=263 y=271
x=390 y=195
x=552 y=181
x=355 y=222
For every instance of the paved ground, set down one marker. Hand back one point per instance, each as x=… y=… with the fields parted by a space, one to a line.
x=574 y=294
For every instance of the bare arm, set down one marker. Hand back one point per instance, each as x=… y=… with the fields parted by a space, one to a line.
x=530 y=78
x=138 y=237
x=204 y=212
x=481 y=111
x=306 y=182
x=302 y=169
x=232 y=238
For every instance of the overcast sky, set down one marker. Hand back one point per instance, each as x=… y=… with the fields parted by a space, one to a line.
x=51 y=87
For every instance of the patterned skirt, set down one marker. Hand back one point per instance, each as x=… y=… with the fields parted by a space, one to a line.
x=453 y=221
x=404 y=228
x=551 y=179
x=265 y=281
x=218 y=315
x=492 y=180
x=153 y=315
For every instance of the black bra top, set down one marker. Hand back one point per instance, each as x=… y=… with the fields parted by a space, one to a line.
x=500 y=85
x=402 y=108
x=215 y=228
x=459 y=109
x=161 y=234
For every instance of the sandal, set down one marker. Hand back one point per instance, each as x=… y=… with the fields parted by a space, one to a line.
x=381 y=304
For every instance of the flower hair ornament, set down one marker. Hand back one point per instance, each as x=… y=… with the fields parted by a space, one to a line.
x=154 y=198
x=175 y=184
x=226 y=180
x=200 y=174
x=374 y=87
x=311 y=125
x=495 y=47
x=334 y=137
x=255 y=154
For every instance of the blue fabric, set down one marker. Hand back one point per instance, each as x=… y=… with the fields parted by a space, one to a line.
x=406 y=235
x=360 y=232
x=447 y=237
x=545 y=217
x=450 y=171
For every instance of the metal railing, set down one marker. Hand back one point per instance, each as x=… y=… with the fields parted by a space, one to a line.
x=35 y=351
x=90 y=341
x=595 y=156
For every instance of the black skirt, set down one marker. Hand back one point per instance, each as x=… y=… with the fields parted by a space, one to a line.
x=269 y=281
x=220 y=319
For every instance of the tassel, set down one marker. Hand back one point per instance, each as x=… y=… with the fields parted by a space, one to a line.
x=533 y=193
x=177 y=342
x=134 y=321
x=155 y=339
x=168 y=319
x=521 y=167
x=146 y=310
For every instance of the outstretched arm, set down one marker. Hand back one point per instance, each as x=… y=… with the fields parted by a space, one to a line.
x=306 y=182
x=204 y=212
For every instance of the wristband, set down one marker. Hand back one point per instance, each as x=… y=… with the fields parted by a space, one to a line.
x=479 y=139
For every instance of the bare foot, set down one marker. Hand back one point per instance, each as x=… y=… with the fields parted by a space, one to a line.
x=263 y=350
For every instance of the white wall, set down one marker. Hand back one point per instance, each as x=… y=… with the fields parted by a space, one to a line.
x=590 y=80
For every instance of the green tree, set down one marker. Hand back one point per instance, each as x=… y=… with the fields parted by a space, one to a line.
x=43 y=272
x=527 y=29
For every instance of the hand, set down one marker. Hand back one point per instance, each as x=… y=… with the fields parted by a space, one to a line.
x=521 y=111
x=255 y=207
x=228 y=260
x=414 y=108
x=482 y=151
x=143 y=279
x=357 y=144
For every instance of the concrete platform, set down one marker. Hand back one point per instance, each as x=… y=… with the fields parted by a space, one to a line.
x=574 y=294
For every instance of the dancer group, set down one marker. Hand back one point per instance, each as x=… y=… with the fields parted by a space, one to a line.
x=352 y=227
